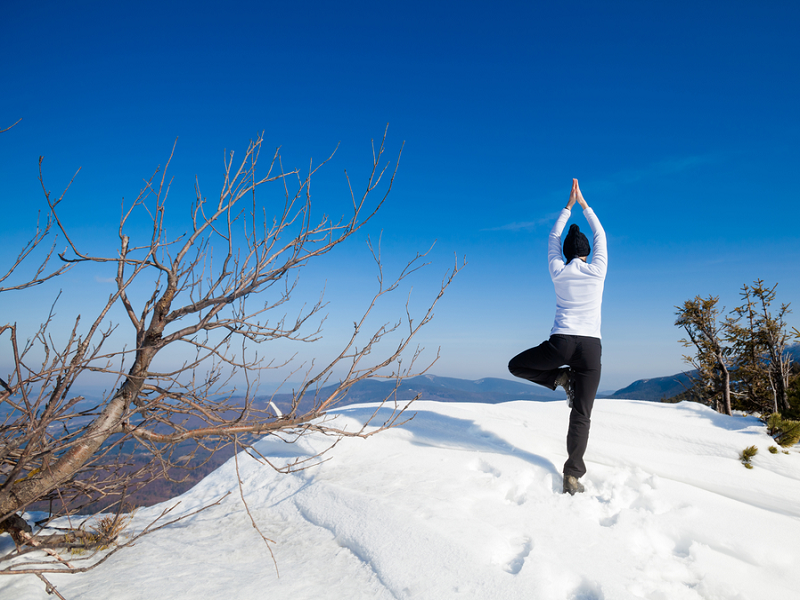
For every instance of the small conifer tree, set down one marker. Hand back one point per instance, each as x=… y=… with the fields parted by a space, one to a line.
x=762 y=365
x=785 y=431
x=750 y=384
x=747 y=454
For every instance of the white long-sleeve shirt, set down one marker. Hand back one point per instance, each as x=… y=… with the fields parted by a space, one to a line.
x=579 y=285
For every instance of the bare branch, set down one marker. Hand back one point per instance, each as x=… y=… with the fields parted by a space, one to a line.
x=10 y=126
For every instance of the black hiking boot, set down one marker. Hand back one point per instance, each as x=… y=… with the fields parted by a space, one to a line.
x=564 y=380
x=572 y=486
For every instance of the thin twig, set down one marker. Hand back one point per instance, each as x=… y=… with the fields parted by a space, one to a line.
x=267 y=541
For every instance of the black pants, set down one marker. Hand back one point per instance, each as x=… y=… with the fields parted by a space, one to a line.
x=542 y=365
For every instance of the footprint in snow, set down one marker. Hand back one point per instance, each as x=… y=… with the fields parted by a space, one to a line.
x=485 y=467
x=524 y=545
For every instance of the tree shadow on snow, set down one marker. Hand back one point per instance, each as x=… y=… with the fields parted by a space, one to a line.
x=441 y=431
x=723 y=421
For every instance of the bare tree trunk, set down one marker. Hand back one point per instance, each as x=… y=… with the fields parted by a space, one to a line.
x=726 y=385
x=775 y=407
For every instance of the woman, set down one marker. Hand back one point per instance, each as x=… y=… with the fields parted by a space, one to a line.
x=575 y=336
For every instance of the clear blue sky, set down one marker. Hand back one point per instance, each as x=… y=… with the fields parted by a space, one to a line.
x=679 y=119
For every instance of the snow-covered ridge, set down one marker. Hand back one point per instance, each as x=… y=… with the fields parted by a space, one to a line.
x=464 y=502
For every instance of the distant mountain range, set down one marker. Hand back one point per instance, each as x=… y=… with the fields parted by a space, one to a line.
x=655 y=389
x=490 y=390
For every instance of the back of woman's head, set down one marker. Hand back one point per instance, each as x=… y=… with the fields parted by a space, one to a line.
x=576 y=244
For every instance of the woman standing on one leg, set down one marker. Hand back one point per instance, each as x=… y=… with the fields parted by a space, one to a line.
x=575 y=337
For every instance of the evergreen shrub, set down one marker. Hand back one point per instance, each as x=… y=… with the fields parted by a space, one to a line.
x=785 y=431
x=747 y=454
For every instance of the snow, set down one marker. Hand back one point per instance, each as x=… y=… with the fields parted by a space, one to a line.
x=465 y=501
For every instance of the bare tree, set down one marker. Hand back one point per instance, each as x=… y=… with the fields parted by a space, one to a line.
x=698 y=317
x=215 y=290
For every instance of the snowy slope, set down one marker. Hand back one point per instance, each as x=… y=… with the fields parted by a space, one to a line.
x=464 y=502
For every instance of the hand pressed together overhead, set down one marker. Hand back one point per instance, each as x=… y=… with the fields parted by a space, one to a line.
x=575 y=195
